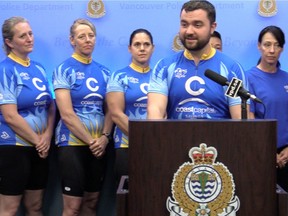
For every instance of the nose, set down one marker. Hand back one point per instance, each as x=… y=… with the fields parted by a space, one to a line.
x=87 y=38
x=29 y=37
x=190 y=29
x=272 y=49
x=142 y=47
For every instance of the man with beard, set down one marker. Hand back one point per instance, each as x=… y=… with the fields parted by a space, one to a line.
x=178 y=88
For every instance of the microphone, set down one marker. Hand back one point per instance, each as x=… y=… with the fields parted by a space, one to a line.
x=223 y=81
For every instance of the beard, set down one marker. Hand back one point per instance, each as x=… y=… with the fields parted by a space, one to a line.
x=199 y=45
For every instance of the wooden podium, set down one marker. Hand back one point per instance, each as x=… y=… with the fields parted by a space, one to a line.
x=158 y=148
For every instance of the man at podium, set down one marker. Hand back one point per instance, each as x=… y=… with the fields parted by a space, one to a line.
x=178 y=88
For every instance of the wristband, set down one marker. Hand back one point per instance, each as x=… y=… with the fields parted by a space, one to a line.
x=107 y=135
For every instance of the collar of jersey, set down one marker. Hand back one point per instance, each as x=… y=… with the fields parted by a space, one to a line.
x=189 y=56
x=82 y=59
x=138 y=68
x=25 y=63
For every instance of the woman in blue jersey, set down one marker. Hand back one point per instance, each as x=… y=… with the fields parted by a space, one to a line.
x=83 y=130
x=26 y=122
x=270 y=83
x=127 y=94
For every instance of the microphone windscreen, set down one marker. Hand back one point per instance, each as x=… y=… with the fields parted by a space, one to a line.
x=216 y=77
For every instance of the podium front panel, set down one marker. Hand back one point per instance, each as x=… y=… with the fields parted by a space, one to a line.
x=158 y=148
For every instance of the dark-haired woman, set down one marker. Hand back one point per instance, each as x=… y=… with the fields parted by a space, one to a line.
x=270 y=83
x=127 y=94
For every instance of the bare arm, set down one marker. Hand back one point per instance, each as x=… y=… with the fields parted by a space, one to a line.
x=116 y=104
x=108 y=123
x=18 y=124
x=156 y=106
x=69 y=117
x=251 y=115
x=48 y=133
x=236 y=112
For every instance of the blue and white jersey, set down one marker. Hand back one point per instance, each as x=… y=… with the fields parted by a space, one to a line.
x=133 y=82
x=86 y=81
x=25 y=84
x=272 y=89
x=190 y=93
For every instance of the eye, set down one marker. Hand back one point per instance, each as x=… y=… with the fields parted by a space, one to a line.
x=183 y=24
x=91 y=36
x=81 y=37
x=137 y=45
x=147 y=45
x=270 y=45
x=198 y=24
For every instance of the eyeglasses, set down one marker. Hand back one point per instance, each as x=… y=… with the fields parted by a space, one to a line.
x=268 y=46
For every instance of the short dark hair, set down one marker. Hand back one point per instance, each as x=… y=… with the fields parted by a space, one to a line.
x=140 y=30
x=201 y=4
x=216 y=34
x=276 y=32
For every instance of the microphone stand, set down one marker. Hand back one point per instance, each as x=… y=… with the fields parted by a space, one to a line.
x=243 y=107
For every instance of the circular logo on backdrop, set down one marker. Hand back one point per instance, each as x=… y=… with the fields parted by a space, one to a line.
x=177 y=44
x=96 y=9
x=267 y=8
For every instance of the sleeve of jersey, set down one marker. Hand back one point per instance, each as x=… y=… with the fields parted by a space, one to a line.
x=238 y=72
x=117 y=82
x=63 y=77
x=8 y=87
x=159 y=79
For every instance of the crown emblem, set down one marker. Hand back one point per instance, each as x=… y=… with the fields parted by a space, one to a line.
x=203 y=187
x=202 y=154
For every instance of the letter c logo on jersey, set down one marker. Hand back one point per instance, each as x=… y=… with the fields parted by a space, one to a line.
x=38 y=83
x=144 y=89
x=188 y=85
x=93 y=88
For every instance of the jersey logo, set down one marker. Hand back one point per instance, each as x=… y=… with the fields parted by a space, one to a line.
x=5 y=135
x=144 y=90
x=63 y=138
x=24 y=76
x=80 y=75
x=92 y=85
x=133 y=79
x=180 y=73
x=203 y=187
x=38 y=83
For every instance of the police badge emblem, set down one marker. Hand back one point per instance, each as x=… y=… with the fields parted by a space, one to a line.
x=203 y=187
x=267 y=8
x=96 y=9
